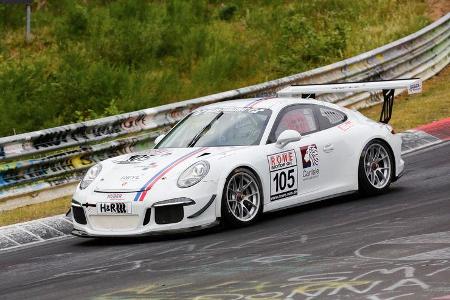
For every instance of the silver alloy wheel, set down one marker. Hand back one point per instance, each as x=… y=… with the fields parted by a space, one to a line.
x=377 y=166
x=243 y=196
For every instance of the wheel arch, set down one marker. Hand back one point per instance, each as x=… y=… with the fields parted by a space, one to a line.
x=389 y=148
x=384 y=141
x=227 y=174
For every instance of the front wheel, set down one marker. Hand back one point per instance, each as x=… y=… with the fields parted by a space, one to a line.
x=242 y=199
x=375 y=168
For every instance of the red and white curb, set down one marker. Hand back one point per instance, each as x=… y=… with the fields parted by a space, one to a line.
x=425 y=136
x=58 y=227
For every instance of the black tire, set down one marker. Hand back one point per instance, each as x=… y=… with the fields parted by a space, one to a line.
x=367 y=184
x=229 y=218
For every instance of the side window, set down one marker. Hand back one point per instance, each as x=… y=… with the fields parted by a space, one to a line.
x=329 y=117
x=299 y=117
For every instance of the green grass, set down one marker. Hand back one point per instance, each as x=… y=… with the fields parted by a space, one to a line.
x=411 y=111
x=95 y=58
x=35 y=211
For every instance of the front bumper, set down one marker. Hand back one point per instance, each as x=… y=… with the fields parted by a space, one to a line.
x=146 y=217
x=84 y=234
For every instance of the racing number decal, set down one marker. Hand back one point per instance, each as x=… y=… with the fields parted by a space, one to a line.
x=281 y=180
x=283 y=175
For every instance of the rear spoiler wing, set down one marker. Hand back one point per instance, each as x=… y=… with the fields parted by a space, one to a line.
x=388 y=88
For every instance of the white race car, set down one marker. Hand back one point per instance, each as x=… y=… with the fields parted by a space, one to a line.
x=234 y=160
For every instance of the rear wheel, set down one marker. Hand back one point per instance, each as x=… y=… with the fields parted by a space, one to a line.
x=242 y=199
x=375 y=168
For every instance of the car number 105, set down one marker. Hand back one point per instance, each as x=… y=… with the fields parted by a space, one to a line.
x=283 y=174
x=283 y=179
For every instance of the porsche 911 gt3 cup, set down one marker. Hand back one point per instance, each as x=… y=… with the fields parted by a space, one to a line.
x=232 y=161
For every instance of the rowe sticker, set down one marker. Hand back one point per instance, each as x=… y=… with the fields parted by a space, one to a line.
x=283 y=175
x=310 y=161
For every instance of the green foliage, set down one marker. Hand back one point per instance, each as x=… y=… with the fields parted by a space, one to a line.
x=11 y=16
x=90 y=59
x=77 y=21
x=227 y=12
x=90 y=114
x=302 y=45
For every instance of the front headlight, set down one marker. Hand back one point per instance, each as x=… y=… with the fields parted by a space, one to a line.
x=193 y=174
x=90 y=176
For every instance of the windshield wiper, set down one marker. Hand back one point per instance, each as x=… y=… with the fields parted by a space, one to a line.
x=204 y=130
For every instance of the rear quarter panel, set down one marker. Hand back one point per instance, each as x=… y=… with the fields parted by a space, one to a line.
x=368 y=130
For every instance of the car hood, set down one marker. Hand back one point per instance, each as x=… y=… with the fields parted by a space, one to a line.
x=139 y=171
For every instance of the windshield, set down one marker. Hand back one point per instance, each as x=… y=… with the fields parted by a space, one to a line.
x=217 y=128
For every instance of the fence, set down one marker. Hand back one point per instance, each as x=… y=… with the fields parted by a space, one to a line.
x=49 y=158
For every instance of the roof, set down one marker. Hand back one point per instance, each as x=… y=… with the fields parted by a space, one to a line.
x=273 y=103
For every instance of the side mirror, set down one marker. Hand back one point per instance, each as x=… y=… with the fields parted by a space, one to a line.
x=287 y=137
x=159 y=138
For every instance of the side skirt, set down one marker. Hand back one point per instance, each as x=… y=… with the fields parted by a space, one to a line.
x=315 y=200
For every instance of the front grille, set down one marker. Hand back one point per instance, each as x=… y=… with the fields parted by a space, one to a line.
x=78 y=215
x=169 y=214
x=114 y=223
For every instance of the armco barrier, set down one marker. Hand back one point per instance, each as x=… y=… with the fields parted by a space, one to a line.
x=48 y=158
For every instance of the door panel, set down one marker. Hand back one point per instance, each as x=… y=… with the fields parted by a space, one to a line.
x=318 y=162
x=333 y=156
x=293 y=170
x=336 y=133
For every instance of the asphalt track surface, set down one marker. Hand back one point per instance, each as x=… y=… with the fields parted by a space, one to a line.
x=393 y=246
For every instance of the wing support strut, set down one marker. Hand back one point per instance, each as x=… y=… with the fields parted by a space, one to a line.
x=388 y=104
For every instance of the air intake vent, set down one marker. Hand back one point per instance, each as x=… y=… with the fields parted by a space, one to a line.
x=169 y=214
x=78 y=215
x=147 y=216
x=333 y=116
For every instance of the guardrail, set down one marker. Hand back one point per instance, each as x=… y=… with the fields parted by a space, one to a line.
x=52 y=157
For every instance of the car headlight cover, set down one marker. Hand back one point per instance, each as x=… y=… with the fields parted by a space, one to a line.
x=90 y=176
x=193 y=174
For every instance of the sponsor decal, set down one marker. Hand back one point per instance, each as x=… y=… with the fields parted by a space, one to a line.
x=310 y=161
x=283 y=175
x=415 y=87
x=346 y=125
x=133 y=159
x=130 y=178
x=159 y=152
x=115 y=196
x=114 y=208
x=138 y=158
